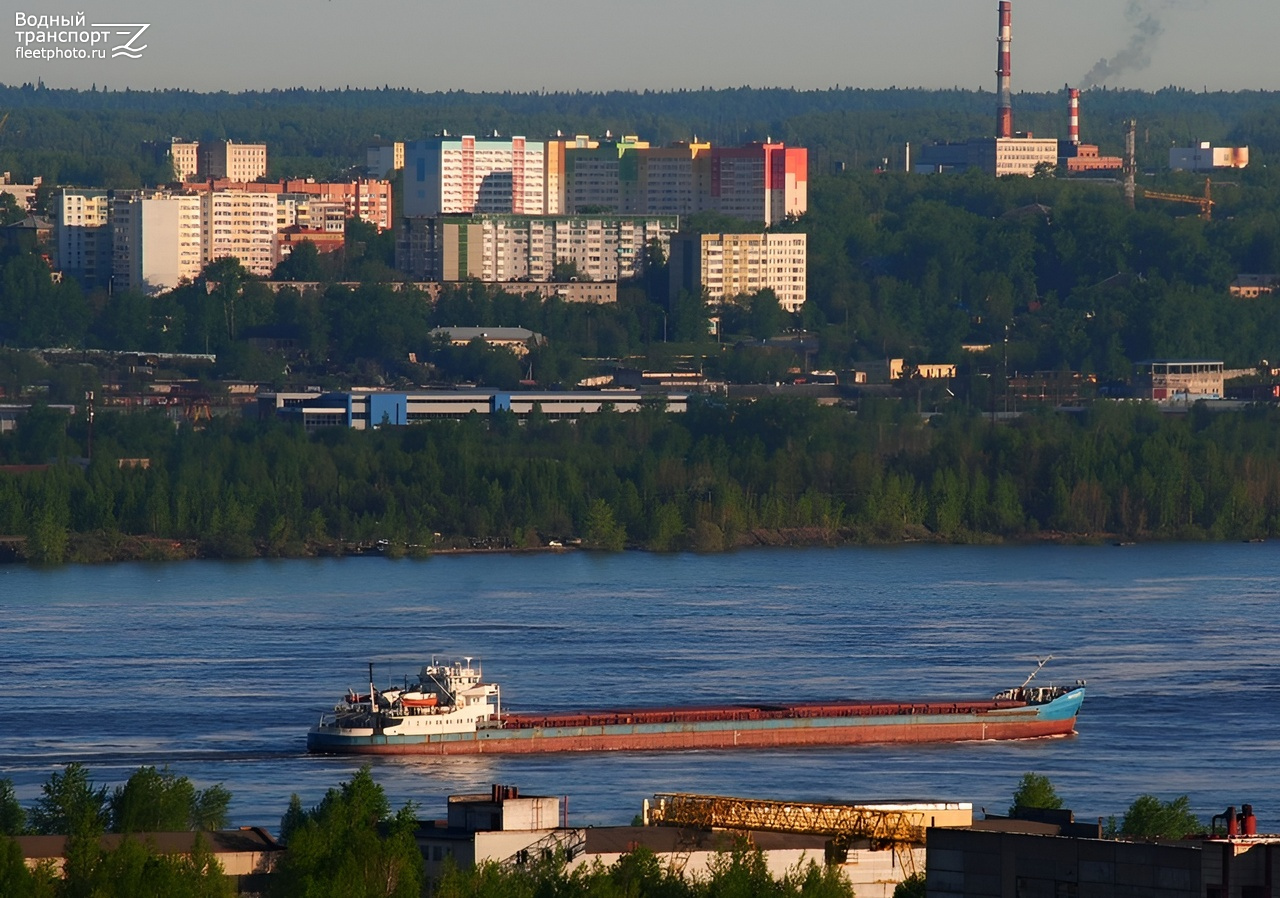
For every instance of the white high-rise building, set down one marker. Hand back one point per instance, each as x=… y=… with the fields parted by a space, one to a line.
x=157 y=240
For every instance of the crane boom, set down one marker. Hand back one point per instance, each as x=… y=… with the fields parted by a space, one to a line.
x=1205 y=202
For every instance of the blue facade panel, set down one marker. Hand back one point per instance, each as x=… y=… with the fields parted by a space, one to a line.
x=388 y=409
x=501 y=402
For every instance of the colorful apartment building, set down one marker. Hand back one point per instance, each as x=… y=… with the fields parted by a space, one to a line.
x=723 y=266
x=554 y=200
x=759 y=182
x=461 y=175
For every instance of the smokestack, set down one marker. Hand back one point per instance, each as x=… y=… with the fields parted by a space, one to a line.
x=1004 y=71
x=1073 y=116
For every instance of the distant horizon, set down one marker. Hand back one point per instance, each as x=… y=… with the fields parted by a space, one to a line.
x=1219 y=46
x=637 y=91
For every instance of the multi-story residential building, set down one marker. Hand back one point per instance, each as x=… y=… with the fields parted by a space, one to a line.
x=240 y=224
x=675 y=179
x=157 y=239
x=759 y=182
x=722 y=266
x=593 y=175
x=184 y=154
x=384 y=158
x=455 y=175
x=82 y=235
x=233 y=161
x=367 y=199
x=527 y=248
x=23 y=194
x=554 y=200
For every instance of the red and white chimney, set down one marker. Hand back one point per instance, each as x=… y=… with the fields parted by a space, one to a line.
x=1073 y=116
x=1004 y=72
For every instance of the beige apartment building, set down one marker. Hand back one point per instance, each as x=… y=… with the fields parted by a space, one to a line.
x=233 y=161
x=729 y=265
x=186 y=159
x=242 y=225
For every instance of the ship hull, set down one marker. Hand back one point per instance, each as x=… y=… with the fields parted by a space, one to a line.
x=851 y=725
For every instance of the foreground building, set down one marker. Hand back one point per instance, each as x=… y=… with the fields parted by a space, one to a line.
x=1004 y=858
x=508 y=828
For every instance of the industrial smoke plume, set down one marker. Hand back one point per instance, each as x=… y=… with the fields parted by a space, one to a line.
x=1147 y=18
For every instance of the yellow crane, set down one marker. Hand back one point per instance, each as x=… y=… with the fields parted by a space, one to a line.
x=843 y=824
x=1204 y=202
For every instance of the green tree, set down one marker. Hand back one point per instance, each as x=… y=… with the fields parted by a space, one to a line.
x=13 y=819
x=136 y=868
x=1150 y=818
x=350 y=846
x=1035 y=791
x=69 y=804
x=911 y=887
x=159 y=801
x=603 y=530
x=16 y=881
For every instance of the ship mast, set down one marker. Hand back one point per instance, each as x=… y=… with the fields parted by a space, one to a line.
x=1039 y=667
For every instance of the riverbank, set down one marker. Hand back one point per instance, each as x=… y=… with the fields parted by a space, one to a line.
x=104 y=548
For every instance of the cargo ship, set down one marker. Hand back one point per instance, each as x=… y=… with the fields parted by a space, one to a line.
x=450 y=710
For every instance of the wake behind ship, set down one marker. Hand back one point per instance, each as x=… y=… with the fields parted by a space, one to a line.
x=451 y=710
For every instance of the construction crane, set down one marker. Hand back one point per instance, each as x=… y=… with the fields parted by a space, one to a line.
x=1204 y=202
x=843 y=824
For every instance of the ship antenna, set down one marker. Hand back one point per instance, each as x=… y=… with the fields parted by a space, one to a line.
x=1039 y=667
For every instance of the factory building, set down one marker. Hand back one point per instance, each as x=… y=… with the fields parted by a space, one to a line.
x=1010 y=858
x=1179 y=380
x=1008 y=152
x=505 y=827
x=1077 y=158
x=1207 y=157
x=370 y=409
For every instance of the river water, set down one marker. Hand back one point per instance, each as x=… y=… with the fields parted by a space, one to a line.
x=218 y=669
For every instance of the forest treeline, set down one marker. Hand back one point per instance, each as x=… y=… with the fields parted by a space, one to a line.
x=93 y=137
x=723 y=474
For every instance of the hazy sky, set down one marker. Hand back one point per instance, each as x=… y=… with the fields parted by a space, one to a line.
x=661 y=44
